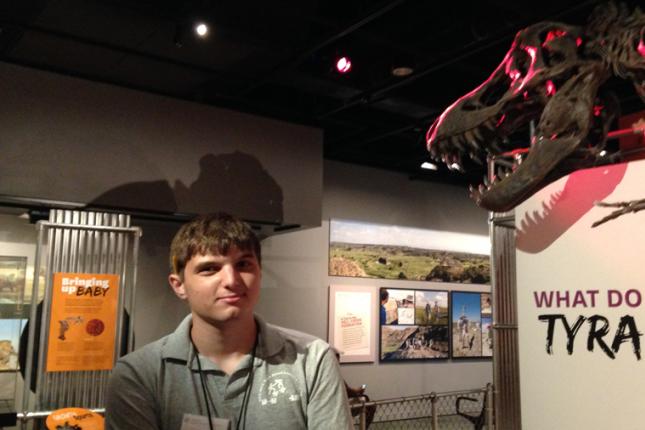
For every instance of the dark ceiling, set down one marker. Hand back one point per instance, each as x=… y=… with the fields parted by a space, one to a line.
x=276 y=58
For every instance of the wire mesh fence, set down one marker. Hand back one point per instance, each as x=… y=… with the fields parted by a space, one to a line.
x=459 y=410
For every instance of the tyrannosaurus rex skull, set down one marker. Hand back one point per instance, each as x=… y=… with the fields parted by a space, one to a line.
x=543 y=76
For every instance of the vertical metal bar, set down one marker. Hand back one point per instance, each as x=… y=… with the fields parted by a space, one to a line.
x=100 y=259
x=81 y=380
x=489 y=405
x=43 y=383
x=362 y=419
x=505 y=358
x=433 y=410
x=133 y=288
x=26 y=396
x=87 y=268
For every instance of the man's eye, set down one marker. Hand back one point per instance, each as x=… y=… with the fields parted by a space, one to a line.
x=244 y=264
x=209 y=269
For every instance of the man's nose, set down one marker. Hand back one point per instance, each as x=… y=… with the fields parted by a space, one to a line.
x=229 y=274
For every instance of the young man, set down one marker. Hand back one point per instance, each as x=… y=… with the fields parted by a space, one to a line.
x=224 y=367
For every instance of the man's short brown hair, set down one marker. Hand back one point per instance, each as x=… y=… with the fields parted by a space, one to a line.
x=215 y=234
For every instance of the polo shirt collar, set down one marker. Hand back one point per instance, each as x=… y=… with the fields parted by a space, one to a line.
x=179 y=347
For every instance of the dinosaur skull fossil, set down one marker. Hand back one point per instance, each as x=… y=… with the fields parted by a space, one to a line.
x=544 y=76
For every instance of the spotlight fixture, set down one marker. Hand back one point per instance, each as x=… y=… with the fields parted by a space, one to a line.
x=428 y=165
x=343 y=65
x=201 y=29
x=402 y=71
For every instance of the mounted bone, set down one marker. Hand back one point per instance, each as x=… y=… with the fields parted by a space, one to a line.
x=552 y=74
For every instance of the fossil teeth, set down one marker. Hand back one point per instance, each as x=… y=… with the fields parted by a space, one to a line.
x=473 y=144
x=478 y=134
x=433 y=152
x=457 y=142
x=495 y=146
x=473 y=156
x=455 y=163
x=470 y=137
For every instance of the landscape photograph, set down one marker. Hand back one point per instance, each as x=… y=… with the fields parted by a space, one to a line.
x=12 y=278
x=367 y=250
x=431 y=307
x=466 y=325
x=414 y=343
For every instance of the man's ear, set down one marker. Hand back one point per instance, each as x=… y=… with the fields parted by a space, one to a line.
x=177 y=285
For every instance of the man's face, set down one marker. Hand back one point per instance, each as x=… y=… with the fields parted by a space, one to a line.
x=220 y=288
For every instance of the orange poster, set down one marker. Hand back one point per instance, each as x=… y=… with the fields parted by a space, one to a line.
x=75 y=418
x=82 y=328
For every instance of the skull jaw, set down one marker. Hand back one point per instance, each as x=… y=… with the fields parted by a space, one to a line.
x=541 y=167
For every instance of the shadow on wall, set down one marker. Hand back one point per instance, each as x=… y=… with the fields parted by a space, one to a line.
x=234 y=182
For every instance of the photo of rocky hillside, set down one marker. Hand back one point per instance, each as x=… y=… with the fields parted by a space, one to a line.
x=390 y=252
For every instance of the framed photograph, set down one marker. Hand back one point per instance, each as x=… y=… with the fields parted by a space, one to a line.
x=13 y=272
x=487 y=325
x=352 y=323
x=471 y=325
x=10 y=330
x=413 y=324
x=358 y=249
x=431 y=307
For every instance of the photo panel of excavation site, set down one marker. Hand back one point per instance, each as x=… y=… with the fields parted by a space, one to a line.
x=414 y=324
x=467 y=325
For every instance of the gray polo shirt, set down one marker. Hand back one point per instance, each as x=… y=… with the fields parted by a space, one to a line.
x=295 y=384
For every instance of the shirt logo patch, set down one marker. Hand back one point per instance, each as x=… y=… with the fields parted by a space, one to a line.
x=278 y=387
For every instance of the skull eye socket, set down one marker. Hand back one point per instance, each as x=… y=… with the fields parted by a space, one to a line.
x=519 y=65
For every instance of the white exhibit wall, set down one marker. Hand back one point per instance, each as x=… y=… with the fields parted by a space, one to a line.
x=583 y=285
x=295 y=267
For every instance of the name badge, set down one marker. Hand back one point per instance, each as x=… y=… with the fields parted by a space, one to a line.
x=200 y=422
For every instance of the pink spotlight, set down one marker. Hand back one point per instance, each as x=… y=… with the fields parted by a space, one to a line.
x=550 y=88
x=343 y=65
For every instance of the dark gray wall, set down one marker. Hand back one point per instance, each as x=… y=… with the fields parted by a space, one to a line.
x=68 y=139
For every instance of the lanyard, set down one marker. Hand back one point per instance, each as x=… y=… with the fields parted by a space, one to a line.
x=208 y=399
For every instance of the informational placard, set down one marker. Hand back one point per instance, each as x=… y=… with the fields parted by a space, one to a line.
x=82 y=327
x=352 y=325
x=75 y=418
x=581 y=314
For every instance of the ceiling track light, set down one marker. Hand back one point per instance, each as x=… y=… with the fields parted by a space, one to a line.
x=183 y=33
x=402 y=71
x=343 y=65
x=429 y=166
x=201 y=29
